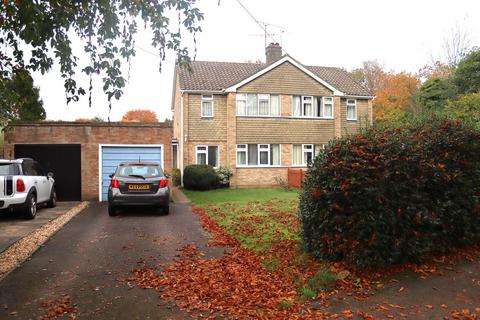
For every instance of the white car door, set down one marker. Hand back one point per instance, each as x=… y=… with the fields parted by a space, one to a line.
x=43 y=183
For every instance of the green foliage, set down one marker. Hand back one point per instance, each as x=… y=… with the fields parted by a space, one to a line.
x=467 y=74
x=466 y=109
x=106 y=30
x=200 y=177
x=176 y=177
x=19 y=99
x=285 y=304
x=391 y=195
x=321 y=280
x=307 y=293
x=224 y=175
x=435 y=93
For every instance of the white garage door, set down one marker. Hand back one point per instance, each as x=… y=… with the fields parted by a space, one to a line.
x=111 y=156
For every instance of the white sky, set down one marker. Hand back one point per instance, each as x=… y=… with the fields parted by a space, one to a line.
x=403 y=35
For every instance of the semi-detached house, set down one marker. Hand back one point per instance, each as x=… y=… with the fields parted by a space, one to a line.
x=259 y=119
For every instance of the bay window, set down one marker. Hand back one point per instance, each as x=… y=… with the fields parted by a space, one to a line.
x=303 y=154
x=252 y=104
x=207 y=155
x=254 y=155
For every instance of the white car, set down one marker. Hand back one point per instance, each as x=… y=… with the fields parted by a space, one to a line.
x=24 y=185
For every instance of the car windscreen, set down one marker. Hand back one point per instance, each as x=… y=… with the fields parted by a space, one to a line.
x=140 y=170
x=9 y=169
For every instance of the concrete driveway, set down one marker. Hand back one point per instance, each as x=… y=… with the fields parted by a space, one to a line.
x=84 y=267
x=13 y=226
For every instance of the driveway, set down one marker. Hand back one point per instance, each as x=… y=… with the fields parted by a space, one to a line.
x=84 y=267
x=13 y=226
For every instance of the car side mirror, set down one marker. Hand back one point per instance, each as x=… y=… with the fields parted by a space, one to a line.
x=50 y=174
x=111 y=175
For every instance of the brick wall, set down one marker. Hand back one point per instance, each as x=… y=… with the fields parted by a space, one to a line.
x=89 y=136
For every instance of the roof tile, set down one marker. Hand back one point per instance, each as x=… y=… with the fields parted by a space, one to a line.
x=217 y=76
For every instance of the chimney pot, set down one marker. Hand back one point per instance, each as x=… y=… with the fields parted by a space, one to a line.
x=273 y=52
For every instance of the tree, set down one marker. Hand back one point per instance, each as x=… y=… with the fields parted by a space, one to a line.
x=457 y=46
x=20 y=99
x=466 y=109
x=436 y=69
x=435 y=93
x=35 y=34
x=396 y=91
x=467 y=74
x=371 y=75
x=140 y=115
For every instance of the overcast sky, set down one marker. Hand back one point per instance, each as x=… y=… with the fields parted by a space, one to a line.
x=403 y=35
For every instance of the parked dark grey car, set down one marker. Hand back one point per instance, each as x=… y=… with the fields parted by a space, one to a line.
x=138 y=184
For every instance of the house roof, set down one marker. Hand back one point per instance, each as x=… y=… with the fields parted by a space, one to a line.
x=218 y=76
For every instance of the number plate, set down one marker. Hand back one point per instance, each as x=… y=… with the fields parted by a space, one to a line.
x=138 y=187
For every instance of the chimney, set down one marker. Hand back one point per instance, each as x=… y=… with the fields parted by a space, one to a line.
x=273 y=52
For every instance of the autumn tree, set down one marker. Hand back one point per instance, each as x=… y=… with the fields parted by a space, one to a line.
x=140 y=115
x=36 y=34
x=396 y=91
x=371 y=75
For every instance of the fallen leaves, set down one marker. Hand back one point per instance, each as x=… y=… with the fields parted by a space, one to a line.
x=59 y=307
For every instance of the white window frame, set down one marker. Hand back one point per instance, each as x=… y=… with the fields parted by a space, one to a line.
x=207 y=98
x=322 y=106
x=258 y=165
x=354 y=104
x=241 y=97
x=303 y=145
x=206 y=153
x=264 y=96
x=242 y=148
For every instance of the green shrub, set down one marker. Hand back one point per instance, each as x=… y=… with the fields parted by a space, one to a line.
x=224 y=175
x=176 y=177
x=200 y=177
x=465 y=109
x=388 y=196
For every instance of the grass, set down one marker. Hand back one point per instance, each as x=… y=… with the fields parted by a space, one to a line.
x=239 y=195
x=262 y=220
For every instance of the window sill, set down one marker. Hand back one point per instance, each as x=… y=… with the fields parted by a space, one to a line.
x=206 y=117
x=260 y=167
x=256 y=116
x=352 y=119
x=312 y=118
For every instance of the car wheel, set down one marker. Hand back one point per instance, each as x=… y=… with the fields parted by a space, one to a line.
x=30 y=210
x=166 y=210
x=112 y=211
x=52 y=203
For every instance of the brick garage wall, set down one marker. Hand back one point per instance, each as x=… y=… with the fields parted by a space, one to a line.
x=89 y=136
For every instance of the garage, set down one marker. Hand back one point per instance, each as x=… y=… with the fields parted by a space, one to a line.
x=112 y=155
x=83 y=154
x=64 y=160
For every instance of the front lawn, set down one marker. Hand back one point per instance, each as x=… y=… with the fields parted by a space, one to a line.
x=265 y=273
x=239 y=195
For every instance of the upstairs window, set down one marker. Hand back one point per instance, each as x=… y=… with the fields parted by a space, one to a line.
x=207 y=106
x=252 y=104
x=351 y=109
x=312 y=107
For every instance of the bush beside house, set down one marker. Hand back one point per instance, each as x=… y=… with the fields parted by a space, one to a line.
x=393 y=195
